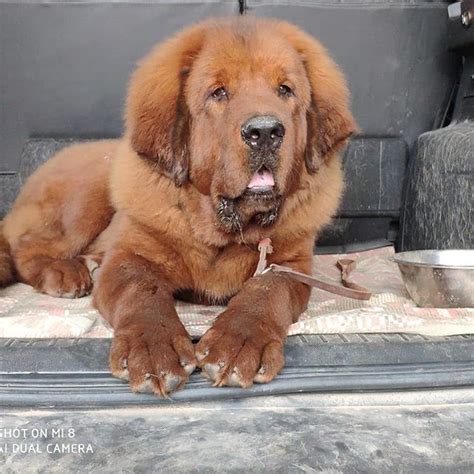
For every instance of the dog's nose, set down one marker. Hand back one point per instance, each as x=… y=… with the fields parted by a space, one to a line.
x=263 y=131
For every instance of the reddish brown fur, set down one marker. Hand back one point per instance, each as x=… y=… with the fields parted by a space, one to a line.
x=6 y=263
x=153 y=211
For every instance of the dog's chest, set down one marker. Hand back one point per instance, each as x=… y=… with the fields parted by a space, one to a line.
x=223 y=273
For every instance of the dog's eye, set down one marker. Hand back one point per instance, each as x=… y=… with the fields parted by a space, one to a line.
x=219 y=94
x=285 y=91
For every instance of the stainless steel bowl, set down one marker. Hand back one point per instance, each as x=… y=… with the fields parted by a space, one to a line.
x=438 y=278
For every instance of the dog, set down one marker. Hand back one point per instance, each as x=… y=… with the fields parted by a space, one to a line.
x=232 y=134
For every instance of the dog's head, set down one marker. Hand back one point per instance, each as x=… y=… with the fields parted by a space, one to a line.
x=239 y=109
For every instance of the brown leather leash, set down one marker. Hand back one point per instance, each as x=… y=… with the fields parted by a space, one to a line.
x=349 y=288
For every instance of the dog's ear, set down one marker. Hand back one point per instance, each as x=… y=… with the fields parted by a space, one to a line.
x=157 y=118
x=329 y=119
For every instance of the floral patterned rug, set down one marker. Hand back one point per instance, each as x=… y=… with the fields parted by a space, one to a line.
x=28 y=314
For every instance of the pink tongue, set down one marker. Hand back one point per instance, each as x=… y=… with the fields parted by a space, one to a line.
x=260 y=179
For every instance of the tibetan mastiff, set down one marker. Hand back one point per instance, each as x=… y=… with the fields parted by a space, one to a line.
x=232 y=133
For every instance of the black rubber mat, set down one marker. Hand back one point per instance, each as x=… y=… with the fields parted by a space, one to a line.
x=73 y=373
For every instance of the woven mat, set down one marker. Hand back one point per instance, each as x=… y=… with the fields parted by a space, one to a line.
x=26 y=313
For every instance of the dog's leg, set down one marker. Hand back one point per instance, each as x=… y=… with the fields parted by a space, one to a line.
x=58 y=275
x=246 y=342
x=63 y=207
x=151 y=347
x=50 y=258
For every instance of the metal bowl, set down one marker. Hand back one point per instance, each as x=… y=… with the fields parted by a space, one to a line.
x=438 y=278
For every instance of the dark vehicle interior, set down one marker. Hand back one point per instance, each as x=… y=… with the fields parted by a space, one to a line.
x=348 y=402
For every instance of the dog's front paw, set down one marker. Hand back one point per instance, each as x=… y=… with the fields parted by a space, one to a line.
x=152 y=359
x=237 y=353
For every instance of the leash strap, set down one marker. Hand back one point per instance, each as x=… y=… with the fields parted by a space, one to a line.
x=264 y=247
x=349 y=288
x=346 y=266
